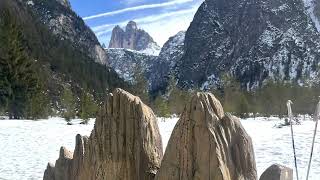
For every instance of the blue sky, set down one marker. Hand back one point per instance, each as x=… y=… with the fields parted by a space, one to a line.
x=160 y=18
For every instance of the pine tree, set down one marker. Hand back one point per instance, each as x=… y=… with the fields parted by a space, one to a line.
x=88 y=107
x=161 y=107
x=177 y=97
x=140 y=87
x=242 y=105
x=38 y=105
x=18 y=76
x=4 y=84
x=68 y=104
x=231 y=91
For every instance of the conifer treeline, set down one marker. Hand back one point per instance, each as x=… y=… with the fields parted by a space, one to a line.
x=42 y=75
x=18 y=82
x=266 y=101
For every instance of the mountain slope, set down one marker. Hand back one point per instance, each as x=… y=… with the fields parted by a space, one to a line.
x=164 y=67
x=156 y=70
x=133 y=38
x=251 y=40
x=57 y=63
x=127 y=63
x=60 y=19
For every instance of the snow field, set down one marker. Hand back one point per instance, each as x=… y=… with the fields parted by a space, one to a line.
x=27 y=146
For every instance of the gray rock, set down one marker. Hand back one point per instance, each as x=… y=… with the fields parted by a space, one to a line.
x=277 y=172
x=49 y=172
x=124 y=144
x=207 y=144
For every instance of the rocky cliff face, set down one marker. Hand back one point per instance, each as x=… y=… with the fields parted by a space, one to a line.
x=133 y=38
x=251 y=40
x=58 y=16
x=206 y=143
x=165 y=65
x=124 y=144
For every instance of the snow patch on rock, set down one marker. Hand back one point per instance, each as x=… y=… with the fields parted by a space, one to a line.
x=30 y=3
x=309 y=5
x=152 y=49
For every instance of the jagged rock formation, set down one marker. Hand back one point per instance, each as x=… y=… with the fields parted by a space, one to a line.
x=128 y=63
x=49 y=172
x=133 y=38
x=206 y=143
x=253 y=41
x=124 y=144
x=58 y=16
x=277 y=172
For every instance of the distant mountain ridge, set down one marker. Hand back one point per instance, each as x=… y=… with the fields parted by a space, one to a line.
x=269 y=42
x=156 y=69
x=133 y=38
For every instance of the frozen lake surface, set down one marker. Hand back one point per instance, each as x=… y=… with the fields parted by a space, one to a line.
x=27 y=146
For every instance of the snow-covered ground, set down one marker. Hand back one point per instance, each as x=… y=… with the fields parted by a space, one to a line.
x=273 y=145
x=27 y=146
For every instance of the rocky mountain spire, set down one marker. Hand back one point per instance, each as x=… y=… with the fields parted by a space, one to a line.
x=131 y=26
x=133 y=38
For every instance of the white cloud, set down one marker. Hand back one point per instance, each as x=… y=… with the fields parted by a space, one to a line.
x=178 y=20
x=131 y=2
x=165 y=28
x=136 y=8
x=160 y=26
